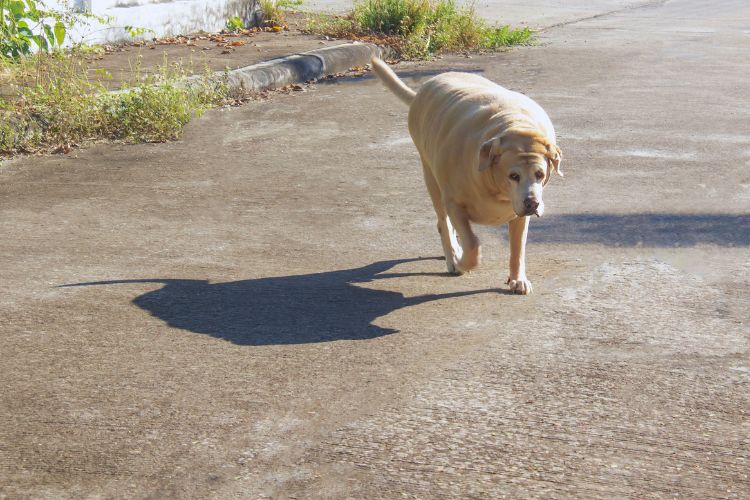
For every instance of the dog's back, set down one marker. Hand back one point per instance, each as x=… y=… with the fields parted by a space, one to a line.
x=448 y=98
x=448 y=106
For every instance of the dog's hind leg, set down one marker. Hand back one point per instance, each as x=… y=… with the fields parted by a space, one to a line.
x=451 y=248
x=469 y=241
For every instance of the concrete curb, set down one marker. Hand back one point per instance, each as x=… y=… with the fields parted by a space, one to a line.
x=295 y=68
x=299 y=68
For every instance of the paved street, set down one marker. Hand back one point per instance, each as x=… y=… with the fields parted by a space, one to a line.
x=257 y=310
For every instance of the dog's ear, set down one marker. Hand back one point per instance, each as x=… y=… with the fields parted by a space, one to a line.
x=489 y=151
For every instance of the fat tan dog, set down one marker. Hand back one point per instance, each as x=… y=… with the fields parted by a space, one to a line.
x=486 y=153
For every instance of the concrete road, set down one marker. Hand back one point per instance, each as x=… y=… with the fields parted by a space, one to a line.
x=259 y=311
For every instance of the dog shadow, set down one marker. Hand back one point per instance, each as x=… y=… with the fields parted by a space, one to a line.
x=300 y=309
x=414 y=77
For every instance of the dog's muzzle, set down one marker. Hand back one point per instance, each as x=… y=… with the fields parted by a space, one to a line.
x=531 y=206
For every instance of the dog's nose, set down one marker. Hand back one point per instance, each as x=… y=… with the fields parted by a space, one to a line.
x=530 y=205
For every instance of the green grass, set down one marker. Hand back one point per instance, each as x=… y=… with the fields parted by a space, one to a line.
x=420 y=28
x=273 y=11
x=504 y=36
x=53 y=104
x=336 y=27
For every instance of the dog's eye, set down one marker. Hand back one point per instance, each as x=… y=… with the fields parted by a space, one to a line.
x=539 y=175
x=515 y=177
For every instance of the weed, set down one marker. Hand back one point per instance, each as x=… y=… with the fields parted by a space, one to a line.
x=137 y=32
x=273 y=11
x=419 y=28
x=57 y=106
x=235 y=23
x=493 y=38
x=324 y=24
x=28 y=26
x=23 y=23
x=391 y=17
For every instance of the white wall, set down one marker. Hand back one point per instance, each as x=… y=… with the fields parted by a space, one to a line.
x=163 y=17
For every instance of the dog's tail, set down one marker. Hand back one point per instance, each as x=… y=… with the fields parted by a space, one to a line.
x=393 y=82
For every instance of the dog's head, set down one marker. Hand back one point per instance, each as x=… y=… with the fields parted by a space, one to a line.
x=521 y=163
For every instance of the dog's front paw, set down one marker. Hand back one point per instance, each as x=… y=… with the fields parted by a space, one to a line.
x=452 y=264
x=520 y=286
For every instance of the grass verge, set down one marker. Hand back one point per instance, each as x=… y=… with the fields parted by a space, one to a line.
x=273 y=11
x=49 y=103
x=419 y=28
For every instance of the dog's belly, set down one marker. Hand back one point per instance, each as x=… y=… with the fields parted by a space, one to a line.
x=491 y=212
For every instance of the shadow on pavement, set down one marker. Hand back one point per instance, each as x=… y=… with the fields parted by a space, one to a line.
x=283 y=310
x=643 y=229
x=412 y=78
